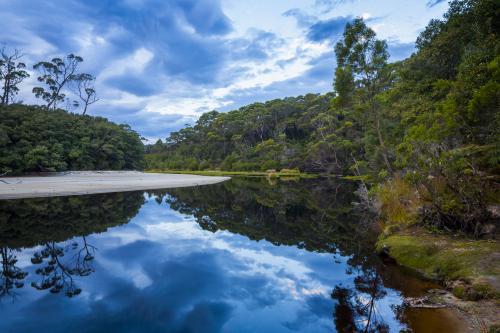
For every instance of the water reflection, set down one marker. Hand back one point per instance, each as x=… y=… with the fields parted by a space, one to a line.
x=11 y=275
x=55 y=273
x=318 y=215
x=48 y=221
x=240 y=256
x=31 y=222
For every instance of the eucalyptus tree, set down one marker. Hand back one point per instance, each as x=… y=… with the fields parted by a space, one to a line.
x=362 y=72
x=12 y=73
x=85 y=90
x=57 y=75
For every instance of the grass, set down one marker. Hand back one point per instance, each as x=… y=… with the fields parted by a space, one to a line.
x=285 y=173
x=474 y=262
x=399 y=202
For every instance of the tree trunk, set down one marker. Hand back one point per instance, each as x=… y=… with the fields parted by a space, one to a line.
x=383 y=147
x=381 y=139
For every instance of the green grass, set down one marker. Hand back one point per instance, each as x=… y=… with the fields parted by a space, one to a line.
x=365 y=178
x=277 y=174
x=447 y=258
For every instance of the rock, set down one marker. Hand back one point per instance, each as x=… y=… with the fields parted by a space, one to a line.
x=422 y=302
x=437 y=291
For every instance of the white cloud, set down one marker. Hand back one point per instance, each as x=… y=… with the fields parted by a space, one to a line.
x=134 y=63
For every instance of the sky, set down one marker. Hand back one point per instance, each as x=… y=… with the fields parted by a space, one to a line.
x=160 y=64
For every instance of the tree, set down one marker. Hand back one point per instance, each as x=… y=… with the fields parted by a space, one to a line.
x=12 y=73
x=85 y=90
x=362 y=60
x=56 y=75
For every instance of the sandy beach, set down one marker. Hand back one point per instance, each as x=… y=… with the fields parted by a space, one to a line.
x=80 y=183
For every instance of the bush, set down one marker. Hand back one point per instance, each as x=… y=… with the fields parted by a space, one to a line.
x=269 y=165
x=399 y=201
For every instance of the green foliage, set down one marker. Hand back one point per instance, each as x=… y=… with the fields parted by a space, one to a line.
x=12 y=73
x=303 y=133
x=37 y=139
x=56 y=74
x=450 y=148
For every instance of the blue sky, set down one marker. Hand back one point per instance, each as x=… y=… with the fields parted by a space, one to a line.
x=161 y=63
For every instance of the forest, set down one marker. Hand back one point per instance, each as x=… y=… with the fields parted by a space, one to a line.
x=428 y=124
x=41 y=138
x=34 y=138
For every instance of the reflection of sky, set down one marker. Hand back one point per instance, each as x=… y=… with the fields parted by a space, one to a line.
x=163 y=273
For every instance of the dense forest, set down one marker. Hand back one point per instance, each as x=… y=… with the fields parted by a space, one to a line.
x=377 y=114
x=38 y=139
x=48 y=138
x=429 y=123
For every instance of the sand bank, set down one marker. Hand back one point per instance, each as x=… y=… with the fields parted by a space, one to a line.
x=79 y=183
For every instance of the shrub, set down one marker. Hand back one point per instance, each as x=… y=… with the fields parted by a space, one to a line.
x=399 y=201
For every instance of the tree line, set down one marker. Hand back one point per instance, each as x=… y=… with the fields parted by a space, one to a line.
x=48 y=138
x=430 y=121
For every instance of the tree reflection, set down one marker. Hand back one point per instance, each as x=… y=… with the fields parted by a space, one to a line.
x=31 y=222
x=56 y=273
x=356 y=309
x=11 y=275
x=317 y=215
x=51 y=222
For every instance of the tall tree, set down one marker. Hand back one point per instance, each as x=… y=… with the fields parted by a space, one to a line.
x=56 y=75
x=85 y=90
x=12 y=73
x=362 y=64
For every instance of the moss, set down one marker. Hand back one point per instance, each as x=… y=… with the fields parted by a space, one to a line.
x=459 y=291
x=486 y=291
x=445 y=258
x=391 y=229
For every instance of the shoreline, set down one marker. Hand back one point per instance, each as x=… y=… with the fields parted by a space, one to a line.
x=94 y=182
x=269 y=173
x=466 y=269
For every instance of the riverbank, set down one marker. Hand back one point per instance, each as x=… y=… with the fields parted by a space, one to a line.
x=272 y=174
x=90 y=182
x=467 y=268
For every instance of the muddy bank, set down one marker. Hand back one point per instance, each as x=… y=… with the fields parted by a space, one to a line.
x=467 y=269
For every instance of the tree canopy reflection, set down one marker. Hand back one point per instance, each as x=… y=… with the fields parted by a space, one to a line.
x=316 y=215
x=58 y=226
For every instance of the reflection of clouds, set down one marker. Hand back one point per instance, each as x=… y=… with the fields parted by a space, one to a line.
x=258 y=259
x=257 y=273
x=163 y=272
x=317 y=307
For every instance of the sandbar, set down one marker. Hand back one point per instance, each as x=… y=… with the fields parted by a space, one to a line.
x=90 y=182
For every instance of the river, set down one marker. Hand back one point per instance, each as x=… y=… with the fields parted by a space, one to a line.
x=246 y=255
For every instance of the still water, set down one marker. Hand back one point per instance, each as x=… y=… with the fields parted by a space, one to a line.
x=247 y=255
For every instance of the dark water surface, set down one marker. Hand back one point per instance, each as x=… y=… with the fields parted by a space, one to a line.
x=247 y=255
